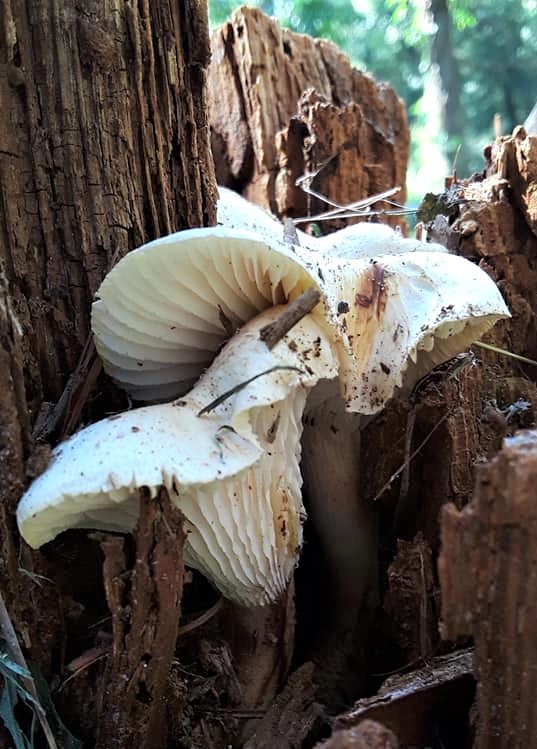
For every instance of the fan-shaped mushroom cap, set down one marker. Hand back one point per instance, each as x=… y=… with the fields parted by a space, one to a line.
x=166 y=308
x=233 y=471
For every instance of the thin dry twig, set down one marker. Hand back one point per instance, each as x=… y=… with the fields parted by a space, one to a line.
x=358 y=209
x=293 y=313
x=237 y=388
x=201 y=619
x=504 y=352
x=411 y=457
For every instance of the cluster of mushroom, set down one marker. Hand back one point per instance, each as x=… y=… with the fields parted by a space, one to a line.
x=224 y=433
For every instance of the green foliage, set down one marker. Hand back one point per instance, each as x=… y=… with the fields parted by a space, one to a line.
x=15 y=695
x=14 y=692
x=494 y=44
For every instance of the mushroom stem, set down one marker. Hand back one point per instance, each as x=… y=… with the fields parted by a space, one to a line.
x=347 y=531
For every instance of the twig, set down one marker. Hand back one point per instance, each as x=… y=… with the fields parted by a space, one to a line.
x=411 y=457
x=504 y=352
x=360 y=208
x=84 y=378
x=84 y=661
x=237 y=388
x=294 y=312
x=10 y=636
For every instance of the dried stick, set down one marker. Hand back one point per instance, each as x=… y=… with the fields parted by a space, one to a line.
x=294 y=312
x=411 y=457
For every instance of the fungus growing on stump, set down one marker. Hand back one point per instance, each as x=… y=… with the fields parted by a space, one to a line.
x=165 y=310
x=399 y=307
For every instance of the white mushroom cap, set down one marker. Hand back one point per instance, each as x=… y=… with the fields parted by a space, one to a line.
x=234 y=471
x=401 y=315
x=166 y=308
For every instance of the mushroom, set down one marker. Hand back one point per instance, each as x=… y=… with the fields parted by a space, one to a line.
x=400 y=317
x=165 y=310
x=228 y=453
x=400 y=308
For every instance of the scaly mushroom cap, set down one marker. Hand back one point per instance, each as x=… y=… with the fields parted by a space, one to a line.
x=234 y=471
x=166 y=308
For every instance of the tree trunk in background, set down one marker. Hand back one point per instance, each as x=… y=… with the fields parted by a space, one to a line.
x=443 y=56
x=104 y=144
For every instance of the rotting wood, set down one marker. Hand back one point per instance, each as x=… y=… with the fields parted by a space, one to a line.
x=489 y=586
x=104 y=145
x=283 y=104
x=144 y=596
x=410 y=703
x=409 y=599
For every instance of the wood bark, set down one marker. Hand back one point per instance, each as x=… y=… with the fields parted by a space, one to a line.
x=144 y=592
x=489 y=586
x=283 y=105
x=104 y=144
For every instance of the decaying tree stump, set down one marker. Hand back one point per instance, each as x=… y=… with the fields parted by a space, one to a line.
x=104 y=145
x=269 y=129
x=489 y=587
x=283 y=105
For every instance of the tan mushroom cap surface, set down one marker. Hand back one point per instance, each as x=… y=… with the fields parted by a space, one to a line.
x=234 y=471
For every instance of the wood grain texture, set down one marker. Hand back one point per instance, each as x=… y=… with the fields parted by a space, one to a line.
x=104 y=144
x=144 y=592
x=489 y=585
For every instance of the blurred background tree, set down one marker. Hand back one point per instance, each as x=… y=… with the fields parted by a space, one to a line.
x=455 y=63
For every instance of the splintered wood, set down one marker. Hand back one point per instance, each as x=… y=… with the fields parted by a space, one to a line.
x=488 y=574
x=144 y=596
x=283 y=105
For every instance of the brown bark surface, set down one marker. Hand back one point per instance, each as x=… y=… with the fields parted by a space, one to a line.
x=104 y=144
x=143 y=590
x=489 y=587
x=283 y=105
